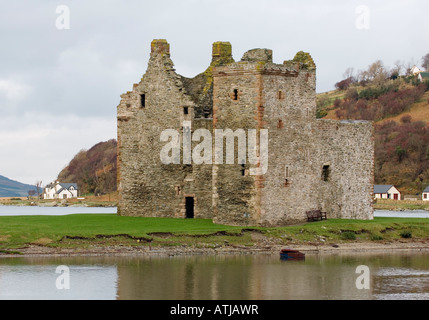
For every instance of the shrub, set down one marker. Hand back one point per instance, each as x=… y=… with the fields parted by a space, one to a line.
x=344 y=84
x=348 y=235
x=406 y=234
x=406 y=119
x=352 y=93
x=376 y=237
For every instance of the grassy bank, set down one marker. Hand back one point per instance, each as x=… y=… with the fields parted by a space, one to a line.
x=84 y=231
x=107 y=200
x=401 y=205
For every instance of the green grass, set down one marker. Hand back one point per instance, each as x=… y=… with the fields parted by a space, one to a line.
x=21 y=230
x=83 y=230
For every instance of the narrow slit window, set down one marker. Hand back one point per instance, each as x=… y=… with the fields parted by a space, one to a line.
x=185 y=110
x=243 y=170
x=325 y=173
x=287 y=182
x=235 y=94
x=143 y=100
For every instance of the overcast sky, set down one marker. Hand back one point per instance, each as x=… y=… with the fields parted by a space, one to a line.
x=59 y=87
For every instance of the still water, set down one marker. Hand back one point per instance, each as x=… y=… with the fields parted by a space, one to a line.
x=223 y=277
x=55 y=211
x=52 y=211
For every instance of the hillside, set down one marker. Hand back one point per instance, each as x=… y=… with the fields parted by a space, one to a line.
x=94 y=170
x=400 y=111
x=418 y=110
x=11 y=188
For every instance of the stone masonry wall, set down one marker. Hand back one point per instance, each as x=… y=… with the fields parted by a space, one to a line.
x=147 y=187
x=347 y=147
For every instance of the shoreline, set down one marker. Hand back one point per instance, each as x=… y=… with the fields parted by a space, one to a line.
x=160 y=251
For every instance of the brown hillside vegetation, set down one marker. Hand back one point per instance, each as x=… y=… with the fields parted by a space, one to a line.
x=418 y=110
x=400 y=111
x=94 y=170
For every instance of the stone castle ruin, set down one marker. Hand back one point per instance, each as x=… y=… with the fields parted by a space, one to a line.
x=302 y=163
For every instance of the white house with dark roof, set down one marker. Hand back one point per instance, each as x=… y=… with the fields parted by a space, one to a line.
x=386 y=192
x=425 y=194
x=57 y=190
x=421 y=75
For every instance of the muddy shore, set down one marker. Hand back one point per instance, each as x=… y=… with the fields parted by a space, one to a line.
x=310 y=249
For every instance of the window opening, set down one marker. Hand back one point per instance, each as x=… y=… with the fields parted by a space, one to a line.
x=325 y=173
x=287 y=177
x=235 y=94
x=143 y=100
x=189 y=207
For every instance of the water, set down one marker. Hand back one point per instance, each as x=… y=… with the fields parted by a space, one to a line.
x=52 y=211
x=34 y=210
x=402 y=214
x=245 y=277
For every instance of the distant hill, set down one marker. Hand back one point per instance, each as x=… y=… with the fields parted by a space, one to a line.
x=11 y=188
x=93 y=170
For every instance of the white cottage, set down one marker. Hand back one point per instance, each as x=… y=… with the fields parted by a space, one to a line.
x=386 y=192
x=57 y=190
x=425 y=194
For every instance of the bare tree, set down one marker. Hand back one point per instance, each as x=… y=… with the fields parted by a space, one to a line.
x=38 y=187
x=425 y=60
x=408 y=66
x=376 y=73
x=31 y=194
x=398 y=68
x=349 y=73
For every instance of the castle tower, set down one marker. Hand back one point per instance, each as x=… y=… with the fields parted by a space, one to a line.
x=277 y=101
x=148 y=187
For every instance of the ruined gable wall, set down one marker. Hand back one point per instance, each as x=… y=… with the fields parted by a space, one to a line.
x=147 y=186
x=347 y=147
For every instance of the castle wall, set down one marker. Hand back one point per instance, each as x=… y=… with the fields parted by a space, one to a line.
x=147 y=187
x=289 y=116
x=311 y=164
x=281 y=100
x=347 y=147
x=235 y=105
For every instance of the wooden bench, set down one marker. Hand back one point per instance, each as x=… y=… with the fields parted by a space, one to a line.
x=316 y=215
